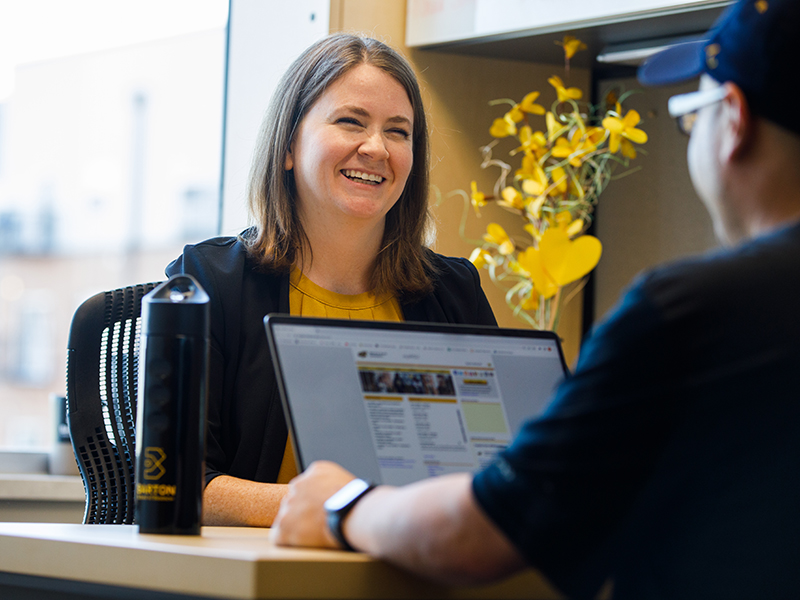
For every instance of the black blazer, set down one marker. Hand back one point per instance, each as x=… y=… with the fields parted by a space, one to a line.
x=246 y=427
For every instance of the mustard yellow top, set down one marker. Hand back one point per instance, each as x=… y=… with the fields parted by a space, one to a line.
x=307 y=299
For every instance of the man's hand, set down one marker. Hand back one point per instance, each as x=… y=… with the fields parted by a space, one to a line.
x=302 y=520
x=433 y=527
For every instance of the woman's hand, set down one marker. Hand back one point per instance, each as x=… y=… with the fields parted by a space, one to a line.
x=301 y=519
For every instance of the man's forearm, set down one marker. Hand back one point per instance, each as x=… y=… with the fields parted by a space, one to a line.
x=434 y=528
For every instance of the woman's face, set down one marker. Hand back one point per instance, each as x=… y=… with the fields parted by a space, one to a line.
x=352 y=152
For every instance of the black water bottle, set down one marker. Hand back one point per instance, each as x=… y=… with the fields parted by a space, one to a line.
x=171 y=415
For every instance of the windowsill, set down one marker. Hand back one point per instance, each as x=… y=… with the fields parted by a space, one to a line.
x=41 y=498
x=24 y=477
x=41 y=487
x=23 y=461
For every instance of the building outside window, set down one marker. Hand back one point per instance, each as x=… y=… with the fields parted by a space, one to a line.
x=111 y=118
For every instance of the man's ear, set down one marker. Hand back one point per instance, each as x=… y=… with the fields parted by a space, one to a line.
x=737 y=120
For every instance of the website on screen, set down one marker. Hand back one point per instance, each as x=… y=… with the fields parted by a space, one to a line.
x=406 y=405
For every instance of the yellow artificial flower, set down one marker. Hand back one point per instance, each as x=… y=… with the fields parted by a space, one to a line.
x=565 y=260
x=532 y=143
x=495 y=234
x=525 y=135
x=512 y=198
x=628 y=149
x=533 y=231
x=565 y=221
x=529 y=105
x=537 y=184
x=477 y=198
x=571 y=45
x=594 y=137
x=503 y=127
x=562 y=219
x=555 y=189
x=530 y=167
x=564 y=148
x=515 y=114
x=576 y=148
x=531 y=261
x=554 y=128
x=480 y=258
x=535 y=210
x=574 y=228
x=559 y=177
x=534 y=179
x=538 y=140
x=515 y=267
x=564 y=94
x=625 y=127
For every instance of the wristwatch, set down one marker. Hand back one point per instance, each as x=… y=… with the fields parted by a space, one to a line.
x=341 y=503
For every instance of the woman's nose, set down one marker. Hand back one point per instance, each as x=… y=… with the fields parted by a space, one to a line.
x=374 y=147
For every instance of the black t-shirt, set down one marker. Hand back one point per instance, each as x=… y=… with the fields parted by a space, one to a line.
x=669 y=462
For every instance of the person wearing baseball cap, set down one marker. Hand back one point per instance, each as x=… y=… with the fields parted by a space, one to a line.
x=747 y=64
x=668 y=463
x=753 y=46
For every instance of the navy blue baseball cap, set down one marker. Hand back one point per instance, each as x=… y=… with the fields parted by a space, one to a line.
x=754 y=44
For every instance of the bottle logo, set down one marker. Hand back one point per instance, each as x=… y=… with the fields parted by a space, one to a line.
x=153 y=463
x=154 y=470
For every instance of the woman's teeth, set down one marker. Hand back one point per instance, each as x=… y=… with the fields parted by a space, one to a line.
x=362 y=177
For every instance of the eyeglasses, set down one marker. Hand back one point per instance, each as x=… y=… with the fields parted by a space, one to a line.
x=683 y=108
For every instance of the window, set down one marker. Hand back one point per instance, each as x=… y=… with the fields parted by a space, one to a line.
x=110 y=156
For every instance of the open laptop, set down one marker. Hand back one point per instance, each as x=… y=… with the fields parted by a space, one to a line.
x=398 y=402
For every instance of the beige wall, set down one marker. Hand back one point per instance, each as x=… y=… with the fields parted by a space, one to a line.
x=457 y=90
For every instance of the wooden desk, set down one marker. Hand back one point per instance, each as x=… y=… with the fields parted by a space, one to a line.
x=115 y=561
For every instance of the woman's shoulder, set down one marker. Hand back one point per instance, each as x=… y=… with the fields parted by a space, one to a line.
x=223 y=259
x=231 y=244
x=220 y=253
x=218 y=246
x=457 y=296
x=452 y=270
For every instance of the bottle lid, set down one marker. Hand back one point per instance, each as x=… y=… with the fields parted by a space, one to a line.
x=179 y=306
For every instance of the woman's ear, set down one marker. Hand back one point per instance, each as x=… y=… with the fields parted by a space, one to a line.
x=288 y=163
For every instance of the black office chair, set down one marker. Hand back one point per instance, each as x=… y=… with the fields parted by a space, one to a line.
x=102 y=384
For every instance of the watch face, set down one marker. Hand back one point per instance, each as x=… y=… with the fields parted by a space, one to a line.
x=346 y=495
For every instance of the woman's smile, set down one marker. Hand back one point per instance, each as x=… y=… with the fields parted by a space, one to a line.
x=362 y=177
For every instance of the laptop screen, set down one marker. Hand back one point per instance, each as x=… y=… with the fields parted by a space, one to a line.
x=398 y=402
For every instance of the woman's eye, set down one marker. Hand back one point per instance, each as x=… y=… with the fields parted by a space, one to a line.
x=401 y=132
x=349 y=121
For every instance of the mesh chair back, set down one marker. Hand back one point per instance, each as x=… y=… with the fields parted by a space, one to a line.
x=102 y=385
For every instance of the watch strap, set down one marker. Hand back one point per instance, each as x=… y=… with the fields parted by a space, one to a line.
x=336 y=517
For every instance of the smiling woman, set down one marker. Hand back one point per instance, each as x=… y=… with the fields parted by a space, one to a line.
x=280 y=238
x=351 y=158
x=338 y=197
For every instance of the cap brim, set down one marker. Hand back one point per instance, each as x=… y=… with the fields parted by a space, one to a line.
x=676 y=64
